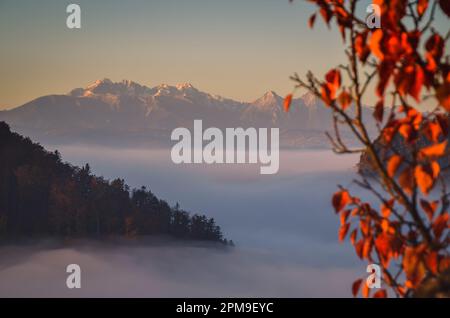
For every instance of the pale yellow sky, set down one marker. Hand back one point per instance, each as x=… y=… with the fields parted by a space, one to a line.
x=235 y=48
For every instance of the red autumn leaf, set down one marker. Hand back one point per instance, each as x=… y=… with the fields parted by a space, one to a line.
x=440 y=224
x=386 y=208
x=435 y=46
x=433 y=131
x=344 y=216
x=380 y=294
x=409 y=80
x=355 y=286
x=393 y=164
x=432 y=262
x=445 y=6
x=379 y=111
x=361 y=48
x=345 y=99
x=422 y=6
x=364 y=225
x=343 y=231
x=424 y=178
x=443 y=96
x=431 y=65
x=413 y=266
x=419 y=77
x=434 y=151
x=340 y=200
x=406 y=180
x=287 y=102
x=359 y=248
x=367 y=248
x=365 y=290
x=326 y=14
x=429 y=208
x=353 y=236
x=327 y=96
x=385 y=70
x=333 y=78
x=444 y=263
x=311 y=20
x=383 y=244
x=388 y=134
x=374 y=44
x=407 y=131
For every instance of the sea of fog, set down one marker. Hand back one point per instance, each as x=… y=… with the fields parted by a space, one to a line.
x=283 y=226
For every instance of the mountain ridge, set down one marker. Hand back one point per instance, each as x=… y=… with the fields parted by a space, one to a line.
x=126 y=111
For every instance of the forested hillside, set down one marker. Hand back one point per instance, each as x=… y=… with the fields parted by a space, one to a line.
x=41 y=196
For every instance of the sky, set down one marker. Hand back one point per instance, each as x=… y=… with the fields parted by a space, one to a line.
x=234 y=48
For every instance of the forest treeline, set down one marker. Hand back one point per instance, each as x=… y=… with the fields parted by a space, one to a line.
x=42 y=196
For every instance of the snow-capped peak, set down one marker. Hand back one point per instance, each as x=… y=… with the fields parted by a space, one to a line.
x=309 y=99
x=184 y=86
x=106 y=86
x=270 y=94
x=269 y=99
x=97 y=83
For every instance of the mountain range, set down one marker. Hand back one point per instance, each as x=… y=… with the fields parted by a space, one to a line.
x=127 y=113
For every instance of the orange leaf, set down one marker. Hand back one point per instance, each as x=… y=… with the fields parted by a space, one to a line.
x=432 y=262
x=385 y=70
x=367 y=248
x=384 y=244
x=422 y=6
x=380 y=294
x=359 y=248
x=333 y=79
x=326 y=14
x=429 y=208
x=440 y=224
x=436 y=150
x=406 y=180
x=344 y=216
x=386 y=208
x=393 y=164
x=433 y=131
x=443 y=95
x=365 y=290
x=444 y=263
x=445 y=6
x=375 y=43
x=345 y=99
x=353 y=236
x=424 y=178
x=361 y=48
x=327 y=95
x=343 y=231
x=311 y=20
x=413 y=266
x=355 y=286
x=419 y=77
x=379 y=110
x=406 y=131
x=340 y=200
x=287 y=102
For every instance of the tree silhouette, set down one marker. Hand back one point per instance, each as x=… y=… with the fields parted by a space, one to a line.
x=405 y=60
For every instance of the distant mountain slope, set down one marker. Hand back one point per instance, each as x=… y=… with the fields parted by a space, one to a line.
x=129 y=113
x=42 y=196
